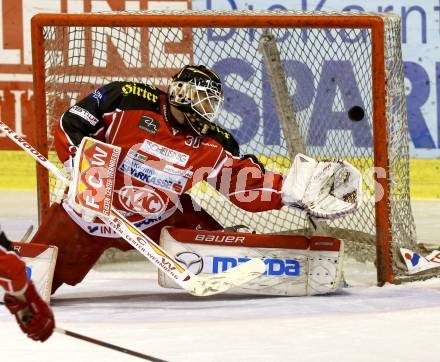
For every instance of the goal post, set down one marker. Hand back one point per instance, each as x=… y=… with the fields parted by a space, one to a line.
x=344 y=76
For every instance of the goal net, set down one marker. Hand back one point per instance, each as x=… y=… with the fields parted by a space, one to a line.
x=327 y=84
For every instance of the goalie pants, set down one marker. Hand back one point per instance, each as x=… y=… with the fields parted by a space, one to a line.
x=78 y=251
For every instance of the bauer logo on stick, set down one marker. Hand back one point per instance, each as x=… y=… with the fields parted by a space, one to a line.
x=94 y=175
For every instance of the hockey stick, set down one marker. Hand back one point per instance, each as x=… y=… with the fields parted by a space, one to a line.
x=26 y=235
x=108 y=345
x=195 y=284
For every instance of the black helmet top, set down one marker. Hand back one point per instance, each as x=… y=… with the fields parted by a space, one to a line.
x=197 y=91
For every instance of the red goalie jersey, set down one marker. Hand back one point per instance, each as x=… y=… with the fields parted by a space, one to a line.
x=159 y=161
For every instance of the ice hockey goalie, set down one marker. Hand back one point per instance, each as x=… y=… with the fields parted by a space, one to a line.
x=169 y=142
x=295 y=265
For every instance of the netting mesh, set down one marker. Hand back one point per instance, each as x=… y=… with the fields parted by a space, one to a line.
x=403 y=226
x=329 y=78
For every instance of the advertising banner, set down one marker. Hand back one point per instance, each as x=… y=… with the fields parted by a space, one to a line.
x=420 y=41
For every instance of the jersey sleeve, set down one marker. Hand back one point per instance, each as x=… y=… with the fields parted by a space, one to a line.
x=244 y=181
x=86 y=118
x=12 y=272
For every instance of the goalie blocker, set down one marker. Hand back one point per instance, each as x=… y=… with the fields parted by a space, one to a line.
x=296 y=265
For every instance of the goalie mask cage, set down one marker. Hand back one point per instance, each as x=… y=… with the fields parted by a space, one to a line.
x=342 y=72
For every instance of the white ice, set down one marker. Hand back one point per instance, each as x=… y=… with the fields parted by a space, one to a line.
x=127 y=308
x=124 y=306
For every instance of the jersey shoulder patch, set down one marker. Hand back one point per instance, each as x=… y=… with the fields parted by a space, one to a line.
x=225 y=138
x=140 y=96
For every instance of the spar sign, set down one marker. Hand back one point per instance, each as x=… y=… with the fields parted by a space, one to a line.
x=420 y=38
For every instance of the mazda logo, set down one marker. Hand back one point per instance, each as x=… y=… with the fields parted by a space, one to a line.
x=192 y=261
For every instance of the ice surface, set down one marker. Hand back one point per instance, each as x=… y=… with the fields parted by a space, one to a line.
x=127 y=308
x=124 y=306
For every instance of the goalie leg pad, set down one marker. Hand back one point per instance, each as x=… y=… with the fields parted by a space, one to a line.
x=296 y=265
x=77 y=251
x=326 y=259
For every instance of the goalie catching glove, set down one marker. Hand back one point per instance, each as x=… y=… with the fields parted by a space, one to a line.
x=325 y=189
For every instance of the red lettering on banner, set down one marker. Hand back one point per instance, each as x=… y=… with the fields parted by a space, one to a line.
x=114 y=5
x=16 y=91
x=13 y=26
x=16 y=111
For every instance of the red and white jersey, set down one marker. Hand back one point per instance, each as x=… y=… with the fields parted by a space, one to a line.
x=159 y=161
x=12 y=272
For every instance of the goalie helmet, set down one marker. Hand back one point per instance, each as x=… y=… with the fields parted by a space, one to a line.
x=197 y=92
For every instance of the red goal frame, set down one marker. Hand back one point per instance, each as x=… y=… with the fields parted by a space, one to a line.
x=374 y=23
